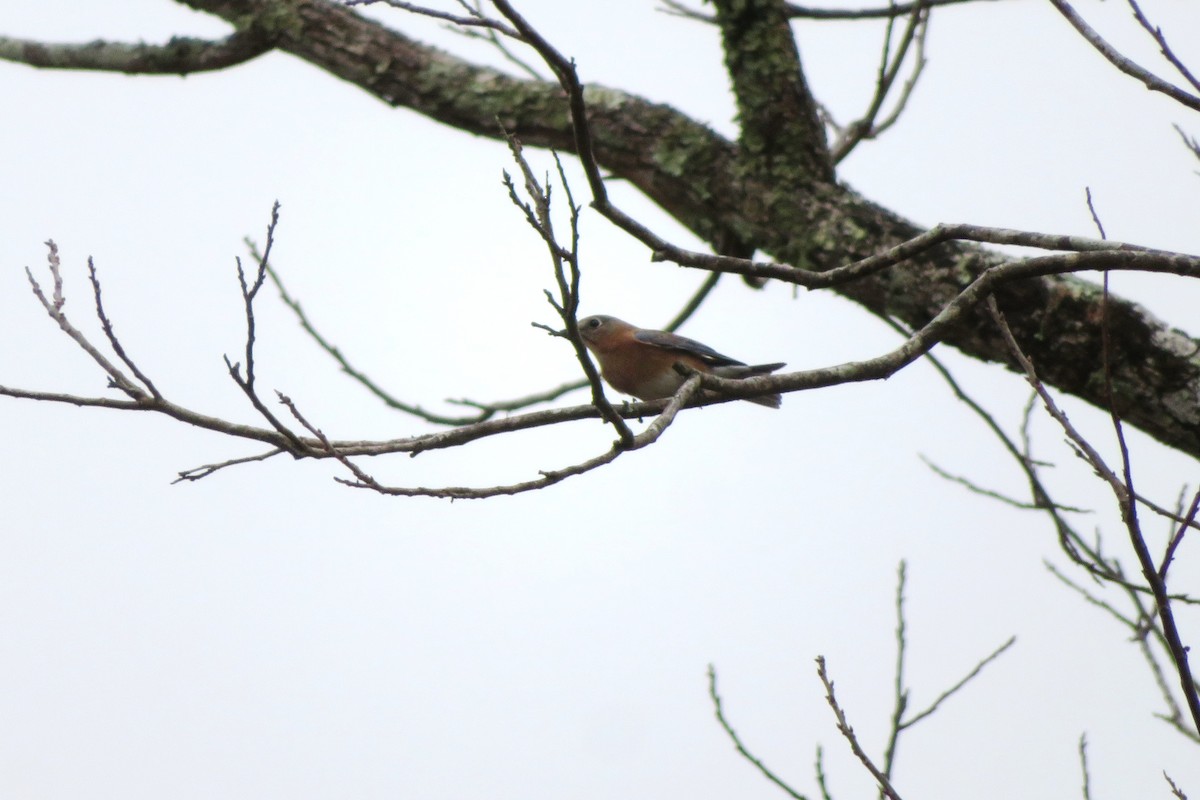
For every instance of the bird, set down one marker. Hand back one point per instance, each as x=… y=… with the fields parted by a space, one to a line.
x=640 y=362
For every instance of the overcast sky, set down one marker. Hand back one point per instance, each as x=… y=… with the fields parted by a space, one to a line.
x=268 y=632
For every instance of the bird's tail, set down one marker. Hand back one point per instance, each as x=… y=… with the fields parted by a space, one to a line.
x=742 y=371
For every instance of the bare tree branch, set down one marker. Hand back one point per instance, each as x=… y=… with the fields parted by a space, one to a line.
x=1122 y=491
x=1187 y=522
x=899 y=689
x=796 y=11
x=180 y=56
x=819 y=769
x=1163 y=47
x=741 y=748
x=975 y=488
x=567 y=305
x=113 y=342
x=246 y=382
x=890 y=64
x=647 y=437
x=870 y=369
x=1083 y=765
x=944 y=696
x=843 y=726
x=1189 y=141
x=1149 y=79
x=1175 y=790
x=196 y=473
x=117 y=379
x=891 y=11
x=899 y=722
x=390 y=400
x=474 y=18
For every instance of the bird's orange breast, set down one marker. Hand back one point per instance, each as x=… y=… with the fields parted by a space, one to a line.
x=641 y=370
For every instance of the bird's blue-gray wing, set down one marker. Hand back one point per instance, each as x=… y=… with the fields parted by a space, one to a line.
x=682 y=344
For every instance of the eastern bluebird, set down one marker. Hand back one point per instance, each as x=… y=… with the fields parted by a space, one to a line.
x=642 y=363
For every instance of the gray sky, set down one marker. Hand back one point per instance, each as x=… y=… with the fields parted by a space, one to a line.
x=269 y=633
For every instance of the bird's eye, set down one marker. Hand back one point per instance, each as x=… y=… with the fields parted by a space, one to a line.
x=593 y=323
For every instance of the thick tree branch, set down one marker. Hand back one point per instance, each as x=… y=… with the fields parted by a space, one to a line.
x=781 y=132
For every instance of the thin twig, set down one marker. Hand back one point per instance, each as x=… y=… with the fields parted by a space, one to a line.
x=889 y=67
x=492 y=35
x=247 y=382
x=899 y=691
x=971 y=486
x=567 y=305
x=741 y=748
x=1083 y=765
x=645 y=438
x=1148 y=79
x=364 y=380
x=819 y=767
x=113 y=341
x=844 y=727
x=795 y=11
x=1122 y=490
x=1175 y=790
x=117 y=378
x=946 y=695
x=203 y=471
x=472 y=20
x=1191 y=142
x=1164 y=48
x=1177 y=537
x=891 y=11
